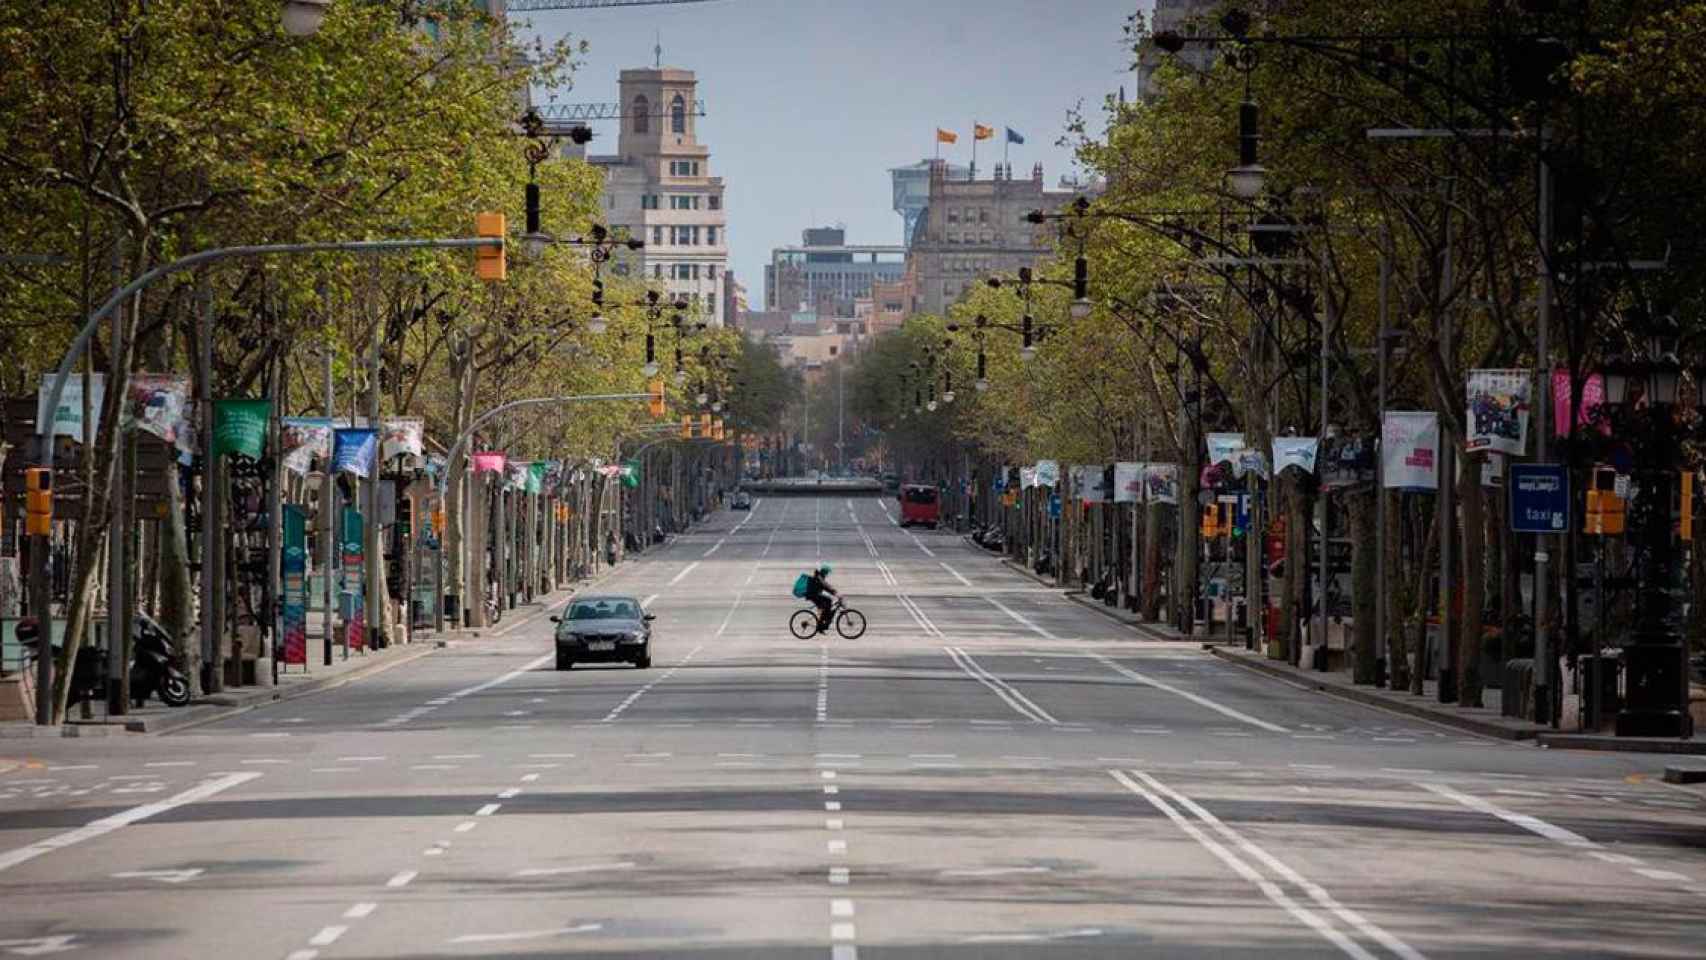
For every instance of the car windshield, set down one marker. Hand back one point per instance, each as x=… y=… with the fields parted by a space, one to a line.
x=603 y=610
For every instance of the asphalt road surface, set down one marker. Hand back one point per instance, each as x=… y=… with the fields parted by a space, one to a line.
x=991 y=772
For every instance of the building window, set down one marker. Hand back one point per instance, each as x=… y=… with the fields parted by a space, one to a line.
x=678 y=115
x=711 y=236
x=711 y=303
x=983 y=216
x=649 y=201
x=953 y=215
x=657 y=236
x=711 y=271
x=657 y=271
x=642 y=114
x=953 y=236
x=715 y=202
x=683 y=202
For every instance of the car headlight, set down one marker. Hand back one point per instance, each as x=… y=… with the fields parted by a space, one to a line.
x=633 y=637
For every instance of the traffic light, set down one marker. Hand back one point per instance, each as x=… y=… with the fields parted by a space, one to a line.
x=38 y=501
x=489 y=264
x=686 y=428
x=1211 y=521
x=717 y=429
x=1605 y=513
x=655 y=403
x=705 y=426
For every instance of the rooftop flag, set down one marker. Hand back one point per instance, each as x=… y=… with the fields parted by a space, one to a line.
x=982 y=132
x=1013 y=136
x=946 y=136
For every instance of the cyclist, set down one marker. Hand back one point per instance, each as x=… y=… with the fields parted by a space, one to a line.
x=818 y=591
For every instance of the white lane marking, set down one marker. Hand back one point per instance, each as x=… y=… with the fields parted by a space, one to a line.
x=684 y=572
x=841 y=908
x=464 y=826
x=402 y=879
x=456 y=756
x=164 y=876
x=1269 y=889
x=1621 y=859
x=1315 y=891
x=823 y=685
x=74 y=766
x=1532 y=824
x=357 y=759
x=1020 y=618
x=836 y=846
x=844 y=951
x=302 y=955
x=530 y=777
x=924 y=622
x=617 y=711
x=1082 y=933
x=106 y=825
x=839 y=876
x=647 y=602
x=1194 y=698
x=488 y=810
x=715 y=547
x=842 y=931
x=582 y=868
x=509 y=794
x=360 y=911
x=1001 y=688
x=171 y=763
x=956 y=573
x=327 y=936
x=551 y=756
x=496 y=681
x=995 y=872
x=832 y=806
x=1667 y=875
x=527 y=934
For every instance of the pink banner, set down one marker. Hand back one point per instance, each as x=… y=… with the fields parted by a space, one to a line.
x=489 y=462
x=1593 y=394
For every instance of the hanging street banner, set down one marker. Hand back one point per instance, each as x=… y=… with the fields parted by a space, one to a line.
x=401 y=438
x=536 y=477
x=157 y=403
x=1027 y=477
x=1498 y=411
x=1299 y=452
x=1249 y=460
x=1128 y=482
x=1593 y=395
x=1087 y=483
x=1161 y=482
x=1540 y=498
x=240 y=427
x=68 y=419
x=489 y=462
x=294 y=601
x=631 y=474
x=350 y=545
x=1222 y=447
x=1048 y=473
x=515 y=476
x=353 y=449
x=1409 y=451
x=303 y=439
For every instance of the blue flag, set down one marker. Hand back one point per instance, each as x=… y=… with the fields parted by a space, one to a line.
x=1013 y=136
x=353 y=451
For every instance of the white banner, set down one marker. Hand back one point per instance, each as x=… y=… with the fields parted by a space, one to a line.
x=1048 y=473
x=1409 y=451
x=1498 y=410
x=68 y=420
x=1161 y=482
x=1299 y=452
x=1128 y=483
x=1027 y=477
x=1223 y=446
x=401 y=438
x=1087 y=483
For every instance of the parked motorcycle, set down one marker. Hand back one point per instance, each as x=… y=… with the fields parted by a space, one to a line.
x=153 y=665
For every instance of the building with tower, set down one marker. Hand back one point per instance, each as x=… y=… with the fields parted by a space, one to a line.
x=658 y=187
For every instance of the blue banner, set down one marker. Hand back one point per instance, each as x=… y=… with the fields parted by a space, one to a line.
x=353 y=450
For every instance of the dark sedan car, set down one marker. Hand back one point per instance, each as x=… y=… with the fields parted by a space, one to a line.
x=604 y=629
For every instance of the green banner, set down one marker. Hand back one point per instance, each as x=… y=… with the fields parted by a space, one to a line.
x=536 y=477
x=631 y=473
x=240 y=426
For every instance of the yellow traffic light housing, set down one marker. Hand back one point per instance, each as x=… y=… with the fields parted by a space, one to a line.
x=489 y=263
x=38 y=501
x=655 y=403
x=686 y=428
x=717 y=429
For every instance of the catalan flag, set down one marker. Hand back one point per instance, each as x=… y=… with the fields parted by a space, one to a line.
x=946 y=136
x=981 y=132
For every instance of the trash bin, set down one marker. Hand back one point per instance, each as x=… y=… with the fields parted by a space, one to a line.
x=1517 y=695
x=1600 y=684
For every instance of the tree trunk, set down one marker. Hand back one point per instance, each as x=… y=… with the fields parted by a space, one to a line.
x=1474 y=580
x=1363 y=547
x=1295 y=569
x=1397 y=607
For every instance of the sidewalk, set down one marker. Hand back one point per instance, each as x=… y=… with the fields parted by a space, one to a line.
x=1145 y=628
x=1486 y=721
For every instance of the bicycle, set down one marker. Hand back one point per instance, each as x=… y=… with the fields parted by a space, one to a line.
x=848 y=622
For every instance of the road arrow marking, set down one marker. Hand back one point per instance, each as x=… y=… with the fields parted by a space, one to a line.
x=164 y=876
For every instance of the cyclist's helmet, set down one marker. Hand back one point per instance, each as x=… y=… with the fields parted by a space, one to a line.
x=824 y=570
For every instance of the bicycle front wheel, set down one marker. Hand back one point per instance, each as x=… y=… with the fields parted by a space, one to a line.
x=850 y=624
x=803 y=623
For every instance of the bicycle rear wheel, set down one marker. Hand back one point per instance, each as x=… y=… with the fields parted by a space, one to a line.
x=850 y=624
x=803 y=623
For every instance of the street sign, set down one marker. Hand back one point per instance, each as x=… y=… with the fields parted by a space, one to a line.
x=1540 y=498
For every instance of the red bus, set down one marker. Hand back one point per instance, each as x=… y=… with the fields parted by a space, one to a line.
x=919 y=504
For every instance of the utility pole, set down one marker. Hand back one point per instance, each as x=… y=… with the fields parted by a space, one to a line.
x=328 y=499
x=373 y=533
x=210 y=526
x=1543 y=425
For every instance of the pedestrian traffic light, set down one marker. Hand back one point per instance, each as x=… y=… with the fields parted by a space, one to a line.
x=655 y=403
x=38 y=501
x=489 y=264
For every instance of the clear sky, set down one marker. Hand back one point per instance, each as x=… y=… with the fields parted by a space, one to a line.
x=810 y=102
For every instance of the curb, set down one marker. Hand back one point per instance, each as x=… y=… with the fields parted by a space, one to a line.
x=1470 y=724
x=1578 y=741
x=219 y=711
x=1145 y=630
x=1685 y=775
